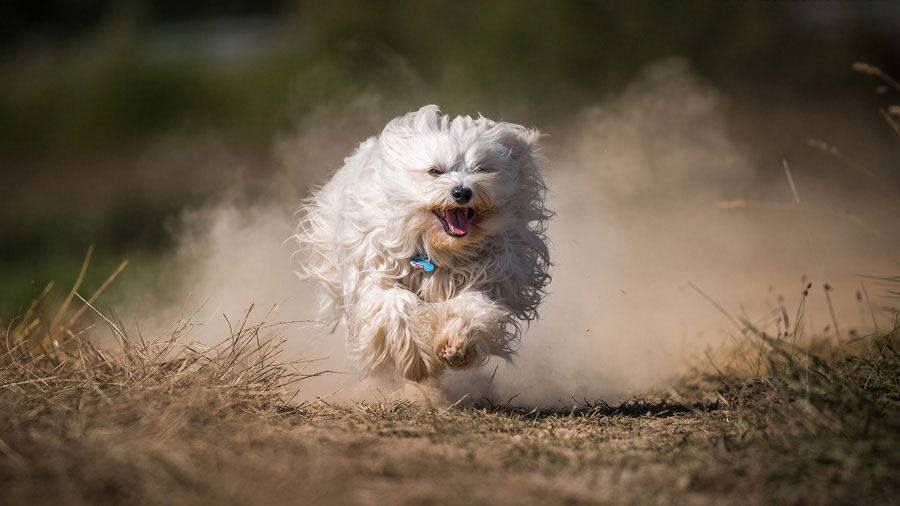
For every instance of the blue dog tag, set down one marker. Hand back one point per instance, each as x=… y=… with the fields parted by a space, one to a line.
x=422 y=263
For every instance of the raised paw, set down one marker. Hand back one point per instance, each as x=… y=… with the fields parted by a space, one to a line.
x=464 y=330
x=455 y=354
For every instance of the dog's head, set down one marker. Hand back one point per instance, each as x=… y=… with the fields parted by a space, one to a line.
x=452 y=183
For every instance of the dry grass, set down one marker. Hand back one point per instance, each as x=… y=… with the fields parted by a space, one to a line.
x=152 y=422
x=771 y=419
x=161 y=423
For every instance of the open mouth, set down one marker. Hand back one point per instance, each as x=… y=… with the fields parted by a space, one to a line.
x=455 y=220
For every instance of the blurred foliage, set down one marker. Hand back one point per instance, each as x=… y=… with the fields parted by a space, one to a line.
x=99 y=80
x=110 y=72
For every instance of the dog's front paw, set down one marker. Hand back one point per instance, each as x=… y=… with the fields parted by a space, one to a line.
x=453 y=345
x=465 y=330
x=462 y=339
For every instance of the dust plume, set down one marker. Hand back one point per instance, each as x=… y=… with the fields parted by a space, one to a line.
x=654 y=198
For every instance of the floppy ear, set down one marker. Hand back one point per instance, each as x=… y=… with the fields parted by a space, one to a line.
x=427 y=119
x=520 y=141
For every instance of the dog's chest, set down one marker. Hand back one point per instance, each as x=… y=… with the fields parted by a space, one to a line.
x=437 y=285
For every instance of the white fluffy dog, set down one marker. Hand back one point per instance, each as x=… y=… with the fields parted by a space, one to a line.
x=429 y=243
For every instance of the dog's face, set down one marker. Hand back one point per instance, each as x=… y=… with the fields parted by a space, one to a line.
x=454 y=182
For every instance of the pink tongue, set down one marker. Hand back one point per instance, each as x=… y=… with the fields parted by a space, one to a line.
x=458 y=221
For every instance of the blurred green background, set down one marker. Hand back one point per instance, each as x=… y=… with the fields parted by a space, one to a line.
x=93 y=94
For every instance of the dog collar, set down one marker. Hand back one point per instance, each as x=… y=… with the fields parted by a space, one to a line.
x=421 y=262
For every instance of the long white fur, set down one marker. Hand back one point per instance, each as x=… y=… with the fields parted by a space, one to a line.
x=358 y=232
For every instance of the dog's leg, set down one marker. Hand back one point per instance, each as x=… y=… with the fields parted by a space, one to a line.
x=383 y=329
x=468 y=328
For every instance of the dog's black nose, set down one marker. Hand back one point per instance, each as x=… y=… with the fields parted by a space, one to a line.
x=461 y=194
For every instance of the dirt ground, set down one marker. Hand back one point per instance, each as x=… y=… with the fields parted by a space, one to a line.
x=149 y=424
x=114 y=444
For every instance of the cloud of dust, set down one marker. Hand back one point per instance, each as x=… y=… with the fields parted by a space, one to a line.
x=635 y=181
x=234 y=255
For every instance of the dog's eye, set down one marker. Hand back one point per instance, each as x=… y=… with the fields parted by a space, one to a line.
x=479 y=169
x=435 y=171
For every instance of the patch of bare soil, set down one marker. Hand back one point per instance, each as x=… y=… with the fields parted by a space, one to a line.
x=161 y=423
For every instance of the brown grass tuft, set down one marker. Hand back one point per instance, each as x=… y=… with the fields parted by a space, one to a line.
x=150 y=422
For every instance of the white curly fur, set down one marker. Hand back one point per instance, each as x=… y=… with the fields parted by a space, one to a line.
x=358 y=233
